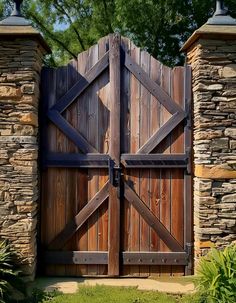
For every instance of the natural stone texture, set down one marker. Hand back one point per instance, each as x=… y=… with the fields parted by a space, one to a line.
x=214 y=172
x=29 y=118
x=214 y=133
x=231 y=132
x=20 y=65
x=228 y=71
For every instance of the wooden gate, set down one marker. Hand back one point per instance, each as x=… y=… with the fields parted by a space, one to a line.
x=115 y=151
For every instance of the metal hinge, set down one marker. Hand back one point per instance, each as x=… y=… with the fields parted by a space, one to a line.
x=189 y=250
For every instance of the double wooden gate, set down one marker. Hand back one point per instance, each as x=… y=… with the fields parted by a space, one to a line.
x=115 y=151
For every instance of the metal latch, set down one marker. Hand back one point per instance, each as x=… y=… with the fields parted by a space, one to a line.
x=114 y=173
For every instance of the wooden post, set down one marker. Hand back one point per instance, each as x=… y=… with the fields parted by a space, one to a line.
x=187 y=176
x=114 y=152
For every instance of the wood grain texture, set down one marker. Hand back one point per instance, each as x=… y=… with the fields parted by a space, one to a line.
x=116 y=114
x=114 y=152
x=133 y=174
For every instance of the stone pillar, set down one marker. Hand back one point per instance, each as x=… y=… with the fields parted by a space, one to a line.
x=21 y=52
x=211 y=51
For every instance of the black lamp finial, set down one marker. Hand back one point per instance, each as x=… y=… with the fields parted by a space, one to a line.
x=221 y=10
x=17 y=8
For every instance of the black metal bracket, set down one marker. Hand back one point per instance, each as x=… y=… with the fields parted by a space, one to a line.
x=188 y=152
x=114 y=173
x=189 y=251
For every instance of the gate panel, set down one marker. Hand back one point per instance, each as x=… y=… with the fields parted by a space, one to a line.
x=116 y=192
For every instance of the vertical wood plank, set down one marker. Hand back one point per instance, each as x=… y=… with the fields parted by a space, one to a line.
x=48 y=203
x=155 y=108
x=188 y=198
x=125 y=148
x=177 y=177
x=82 y=174
x=134 y=146
x=61 y=176
x=93 y=182
x=114 y=151
x=144 y=173
x=103 y=121
x=165 y=206
x=71 y=184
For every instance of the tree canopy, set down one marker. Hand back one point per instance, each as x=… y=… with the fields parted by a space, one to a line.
x=159 y=26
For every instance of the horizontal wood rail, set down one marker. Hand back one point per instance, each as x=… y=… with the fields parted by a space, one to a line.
x=127 y=258
x=76 y=160
x=154 y=160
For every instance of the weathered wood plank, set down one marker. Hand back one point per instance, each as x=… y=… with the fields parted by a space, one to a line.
x=70 y=132
x=125 y=148
x=75 y=257
x=82 y=84
x=144 y=178
x=155 y=112
x=74 y=160
x=177 y=175
x=188 y=195
x=151 y=219
x=133 y=174
x=152 y=86
x=103 y=143
x=82 y=174
x=79 y=219
x=162 y=133
x=114 y=152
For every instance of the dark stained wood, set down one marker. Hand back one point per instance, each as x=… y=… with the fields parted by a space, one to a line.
x=188 y=198
x=82 y=84
x=125 y=148
x=128 y=258
x=148 y=216
x=133 y=174
x=70 y=132
x=82 y=117
x=155 y=160
x=75 y=257
x=79 y=219
x=151 y=85
x=162 y=133
x=116 y=115
x=76 y=160
x=155 y=258
x=144 y=173
x=177 y=175
x=103 y=144
x=114 y=152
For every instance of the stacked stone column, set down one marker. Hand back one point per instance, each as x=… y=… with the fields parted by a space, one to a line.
x=20 y=66
x=212 y=56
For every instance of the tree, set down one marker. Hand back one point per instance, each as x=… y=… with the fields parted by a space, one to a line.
x=159 y=26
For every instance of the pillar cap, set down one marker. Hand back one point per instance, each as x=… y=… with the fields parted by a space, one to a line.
x=220 y=26
x=17 y=26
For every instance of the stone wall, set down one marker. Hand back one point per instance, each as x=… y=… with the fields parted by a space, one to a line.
x=214 y=101
x=20 y=66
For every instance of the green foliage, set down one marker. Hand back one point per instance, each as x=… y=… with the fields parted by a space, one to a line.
x=159 y=26
x=106 y=294
x=217 y=275
x=9 y=279
x=39 y=296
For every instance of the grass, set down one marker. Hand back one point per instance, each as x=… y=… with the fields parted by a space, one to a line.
x=108 y=294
